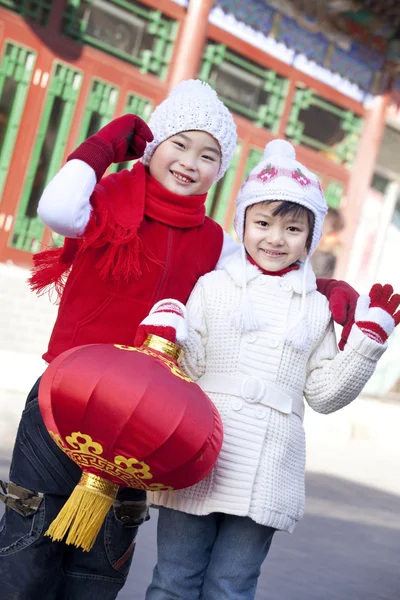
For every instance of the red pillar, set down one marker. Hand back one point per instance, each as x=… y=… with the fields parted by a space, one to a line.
x=361 y=176
x=189 y=50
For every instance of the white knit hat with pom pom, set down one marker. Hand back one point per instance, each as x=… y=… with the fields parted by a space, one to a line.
x=279 y=177
x=193 y=105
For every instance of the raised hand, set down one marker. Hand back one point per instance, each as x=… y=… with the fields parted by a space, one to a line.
x=123 y=139
x=376 y=313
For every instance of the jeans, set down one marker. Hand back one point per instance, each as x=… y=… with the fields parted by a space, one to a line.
x=213 y=557
x=32 y=566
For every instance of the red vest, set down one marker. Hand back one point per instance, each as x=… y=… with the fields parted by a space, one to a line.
x=96 y=311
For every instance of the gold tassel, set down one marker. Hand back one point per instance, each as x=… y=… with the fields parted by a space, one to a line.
x=84 y=512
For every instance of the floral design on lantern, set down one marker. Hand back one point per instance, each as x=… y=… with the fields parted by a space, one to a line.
x=85 y=452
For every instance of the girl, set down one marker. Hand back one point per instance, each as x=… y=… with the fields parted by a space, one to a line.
x=129 y=242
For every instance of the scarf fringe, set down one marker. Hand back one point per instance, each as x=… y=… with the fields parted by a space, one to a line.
x=122 y=260
x=51 y=269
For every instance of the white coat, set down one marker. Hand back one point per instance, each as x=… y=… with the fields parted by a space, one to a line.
x=257 y=381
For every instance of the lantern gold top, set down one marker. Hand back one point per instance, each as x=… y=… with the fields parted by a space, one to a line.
x=156 y=342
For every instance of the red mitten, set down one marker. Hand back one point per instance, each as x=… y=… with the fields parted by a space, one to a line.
x=123 y=139
x=166 y=319
x=376 y=314
x=342 y=303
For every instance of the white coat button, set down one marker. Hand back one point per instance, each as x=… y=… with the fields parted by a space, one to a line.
x=237 y=404
x=273 y=343
x=261 y=412
x=286 y=286
x=251 y=337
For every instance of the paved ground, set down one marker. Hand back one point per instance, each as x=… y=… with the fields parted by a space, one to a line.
x=346 y=548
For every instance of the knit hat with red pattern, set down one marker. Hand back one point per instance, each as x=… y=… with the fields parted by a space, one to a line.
x=279 y=176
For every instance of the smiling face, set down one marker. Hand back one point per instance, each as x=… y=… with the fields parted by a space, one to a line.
x=276 y=241
x=187 y=163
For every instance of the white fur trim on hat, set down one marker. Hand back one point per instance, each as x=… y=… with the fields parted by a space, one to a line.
x=193 y=105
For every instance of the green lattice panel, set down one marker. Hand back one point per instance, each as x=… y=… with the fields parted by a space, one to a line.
x=100 y=108
x=15 y=75
x=220 y=193
x=140 y=106
x=47 y=155
x=243 y=76
x=36 y=10
x=348 y=127
x=255 y=156
x=333 y=193
x=136 y=105
x=131 y=31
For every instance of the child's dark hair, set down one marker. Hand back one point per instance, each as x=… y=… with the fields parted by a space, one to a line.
x=285 y=207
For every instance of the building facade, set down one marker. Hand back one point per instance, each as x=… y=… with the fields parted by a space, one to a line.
x=318 y=77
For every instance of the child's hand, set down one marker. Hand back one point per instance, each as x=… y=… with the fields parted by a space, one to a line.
x=342 y=303
x=127 y=136
x=167 y=319
x=123 y=139
x=376 y=314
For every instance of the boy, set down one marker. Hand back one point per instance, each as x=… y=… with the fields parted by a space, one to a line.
x=260 y=337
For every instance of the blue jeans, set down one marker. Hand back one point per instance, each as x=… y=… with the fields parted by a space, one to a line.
x=213 y=557
x=31 y=565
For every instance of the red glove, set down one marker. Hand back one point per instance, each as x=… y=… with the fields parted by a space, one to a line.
x=123 y=139
x=167 y=319
x=375 y=314
x=342 y=303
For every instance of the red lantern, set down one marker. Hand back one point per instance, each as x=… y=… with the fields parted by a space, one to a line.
x=128 y=417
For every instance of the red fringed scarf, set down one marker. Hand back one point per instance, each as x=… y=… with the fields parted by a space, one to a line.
x=115 y=224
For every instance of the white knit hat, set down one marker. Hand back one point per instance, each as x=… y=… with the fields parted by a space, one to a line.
x=279 y=177
x=193 y=105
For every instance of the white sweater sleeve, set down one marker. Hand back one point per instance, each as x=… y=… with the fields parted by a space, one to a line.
x=65 y=203
x=334 y=379
x=194 y=357
x=229 y=247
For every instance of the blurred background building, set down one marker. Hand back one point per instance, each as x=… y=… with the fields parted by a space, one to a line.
x=325 y=74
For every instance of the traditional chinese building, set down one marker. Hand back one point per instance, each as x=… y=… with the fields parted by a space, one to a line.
x=321 y=73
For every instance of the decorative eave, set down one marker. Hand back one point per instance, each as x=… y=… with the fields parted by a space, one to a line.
x=323 y=39
x=287 y=52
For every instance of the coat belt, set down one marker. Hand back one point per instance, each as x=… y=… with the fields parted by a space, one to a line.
x=253 y=390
